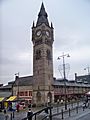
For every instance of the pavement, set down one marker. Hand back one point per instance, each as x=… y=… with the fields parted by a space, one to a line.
x=74 y=114
x=17 y=115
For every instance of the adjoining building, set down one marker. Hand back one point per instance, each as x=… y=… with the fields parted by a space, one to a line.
x=5 y=93
x=74 y=90
x=23 y=88
x=82 y=78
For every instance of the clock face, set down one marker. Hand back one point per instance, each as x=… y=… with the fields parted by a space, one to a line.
x=38 y=33
x=48 y=33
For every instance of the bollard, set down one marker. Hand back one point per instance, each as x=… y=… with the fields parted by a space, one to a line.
x=57 y=109
x=50 y=113
x=11 y=116
x=58 y=106
x=72 y=104
x=76 y=109
x=69 y=112
x=83 y=108
x=62 y=113
x=4 y=111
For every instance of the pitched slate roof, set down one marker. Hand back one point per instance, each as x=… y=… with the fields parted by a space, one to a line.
x=83 y=78
x=9 y=86
x=69 y=83
x=5 y=94
x=24 y=81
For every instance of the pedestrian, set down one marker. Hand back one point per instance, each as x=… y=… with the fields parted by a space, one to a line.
x=46 y=110
x=17 y=107
x=6 y=117
x=5 y=110
x=29 y=114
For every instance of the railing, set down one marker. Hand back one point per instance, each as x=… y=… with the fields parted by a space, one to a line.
x=50 y=112
x=46 y=109
x=60 y=113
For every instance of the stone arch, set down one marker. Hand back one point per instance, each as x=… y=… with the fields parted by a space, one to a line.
x=49 y=96
x=48 y=54
x=38 y=96
x=38 y=54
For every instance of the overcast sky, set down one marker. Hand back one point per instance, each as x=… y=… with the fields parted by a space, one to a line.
x=71 y=21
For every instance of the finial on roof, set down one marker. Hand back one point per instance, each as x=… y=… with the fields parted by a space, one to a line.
x=33 y=24
x=51 y=25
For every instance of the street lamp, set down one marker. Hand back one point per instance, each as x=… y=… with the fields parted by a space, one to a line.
x=64 y=75
x=17 y=81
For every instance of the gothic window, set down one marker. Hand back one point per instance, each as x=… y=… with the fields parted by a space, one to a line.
x=48 y=42
x=38 y=42
x=49 y=96
x=38 y=54
x=48 y=55
x=38 y=96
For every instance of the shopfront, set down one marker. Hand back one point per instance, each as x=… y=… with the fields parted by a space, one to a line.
x=11 y=103
x=1 y=103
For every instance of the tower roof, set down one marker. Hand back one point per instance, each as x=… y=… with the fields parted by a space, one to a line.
x=42 y=16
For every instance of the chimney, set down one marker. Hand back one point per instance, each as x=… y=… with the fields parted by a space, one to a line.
x=75 y=76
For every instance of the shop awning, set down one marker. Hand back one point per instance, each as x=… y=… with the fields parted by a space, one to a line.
x=1 y=99
x=88 y=93
x=12 y=98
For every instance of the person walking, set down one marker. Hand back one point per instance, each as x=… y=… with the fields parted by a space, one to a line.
x=17 y=107
x=29 y=114
x=4 y=110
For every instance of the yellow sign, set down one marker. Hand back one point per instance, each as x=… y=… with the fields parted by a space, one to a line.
x=12 y=98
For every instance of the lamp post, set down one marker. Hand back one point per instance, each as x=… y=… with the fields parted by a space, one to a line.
x=64 y=75
x=17 y=80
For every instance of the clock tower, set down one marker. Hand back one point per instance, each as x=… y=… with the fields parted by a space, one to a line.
x=42 y=38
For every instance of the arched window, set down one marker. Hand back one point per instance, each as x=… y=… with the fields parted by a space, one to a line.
x=49 y=96
x=38 y=54
x=38 y=96
x=48 y=54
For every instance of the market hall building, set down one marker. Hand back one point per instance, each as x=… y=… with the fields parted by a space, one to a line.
x=42 y=87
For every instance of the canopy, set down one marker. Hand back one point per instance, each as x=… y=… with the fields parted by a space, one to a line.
x=88 y=93
x=1 y=99
x=12 y=98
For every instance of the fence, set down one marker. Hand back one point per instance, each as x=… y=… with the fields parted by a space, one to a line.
x=46 y=109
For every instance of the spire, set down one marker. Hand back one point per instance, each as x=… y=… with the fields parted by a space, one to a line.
x=42 y=16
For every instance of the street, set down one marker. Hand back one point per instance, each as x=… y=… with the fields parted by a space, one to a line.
x=86 y=117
